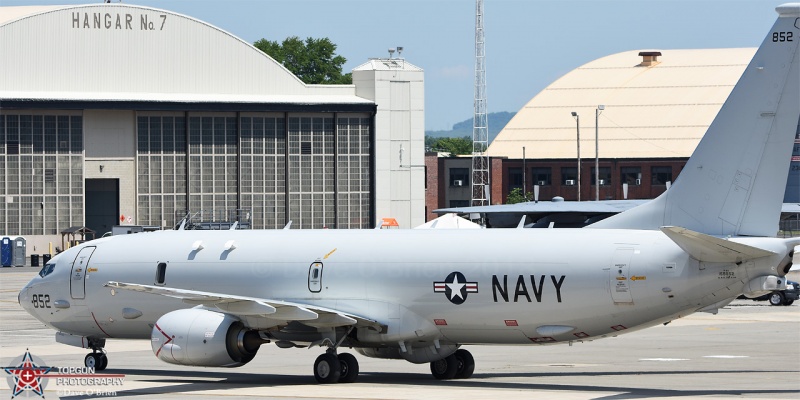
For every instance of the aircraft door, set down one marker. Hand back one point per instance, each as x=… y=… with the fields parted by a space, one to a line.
x=620 y=276
x=315 y=277
x=77 y=282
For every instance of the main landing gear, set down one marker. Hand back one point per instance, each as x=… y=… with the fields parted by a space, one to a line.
x=459 y=365
x=336 y=368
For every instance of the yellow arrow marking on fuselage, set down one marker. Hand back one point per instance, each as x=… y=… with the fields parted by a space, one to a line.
x=638 y=278
x=329 y=254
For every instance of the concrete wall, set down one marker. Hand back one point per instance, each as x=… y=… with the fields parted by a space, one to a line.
x=399 y=139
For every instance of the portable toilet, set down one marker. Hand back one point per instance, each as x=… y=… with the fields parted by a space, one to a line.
x=20 y=251
x=6 y=255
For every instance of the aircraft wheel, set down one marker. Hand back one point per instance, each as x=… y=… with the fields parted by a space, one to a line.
x=445 y=368
x=349 y=365
x=327 y=368
x=92 y=360
x=102 y=362
x=466 y=364
x=776 y=298
x=788 y=302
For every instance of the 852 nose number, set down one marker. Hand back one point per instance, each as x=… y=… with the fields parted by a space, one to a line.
x=41 y=301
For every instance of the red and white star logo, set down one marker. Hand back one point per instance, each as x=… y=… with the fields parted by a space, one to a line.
x=27 y=376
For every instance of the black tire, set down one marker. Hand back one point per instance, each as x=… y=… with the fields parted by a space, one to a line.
x=349 y=371
x=466 y=364
x=776 y=298
x=788 y=302
x=327 y=368
x=445 y=368
x=103 y=362
x=92 y=360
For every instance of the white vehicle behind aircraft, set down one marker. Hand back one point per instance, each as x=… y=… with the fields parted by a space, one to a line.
x=212 y=298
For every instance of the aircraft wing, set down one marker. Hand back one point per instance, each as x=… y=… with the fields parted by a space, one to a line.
x=243 y=306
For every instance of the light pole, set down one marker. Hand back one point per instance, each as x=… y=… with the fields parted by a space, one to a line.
x=524 y=178
x=578 y=128
x=597 y=112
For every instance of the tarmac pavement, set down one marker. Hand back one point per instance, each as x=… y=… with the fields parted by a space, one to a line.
x=749 y=350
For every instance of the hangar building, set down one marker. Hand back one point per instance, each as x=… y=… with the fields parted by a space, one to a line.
x=656 y=107
x=114 y=113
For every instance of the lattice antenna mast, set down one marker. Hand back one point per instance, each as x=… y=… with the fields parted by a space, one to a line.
x=480 y=125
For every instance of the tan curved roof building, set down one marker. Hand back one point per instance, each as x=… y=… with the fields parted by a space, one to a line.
x=655 y=106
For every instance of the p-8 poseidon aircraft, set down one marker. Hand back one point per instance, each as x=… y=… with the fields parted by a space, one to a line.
x=212 y=298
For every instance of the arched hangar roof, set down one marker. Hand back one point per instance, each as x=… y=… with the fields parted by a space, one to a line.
x=119 y=53
x=658 y=104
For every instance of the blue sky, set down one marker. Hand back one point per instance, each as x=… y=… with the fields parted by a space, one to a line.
x=529 y=43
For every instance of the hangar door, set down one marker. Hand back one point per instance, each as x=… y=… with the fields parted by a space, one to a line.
x=102 y=204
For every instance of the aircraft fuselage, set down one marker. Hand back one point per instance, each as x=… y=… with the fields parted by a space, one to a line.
x=528 y=286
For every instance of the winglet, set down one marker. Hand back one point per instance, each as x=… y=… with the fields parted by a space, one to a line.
x=712 y=249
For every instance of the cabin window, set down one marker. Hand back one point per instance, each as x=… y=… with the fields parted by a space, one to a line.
x=161 y=273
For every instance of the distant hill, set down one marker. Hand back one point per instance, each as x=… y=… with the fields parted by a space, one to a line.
x=497 y=121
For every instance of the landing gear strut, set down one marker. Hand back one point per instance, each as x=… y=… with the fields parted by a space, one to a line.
x=333 y=368
x=459 y=365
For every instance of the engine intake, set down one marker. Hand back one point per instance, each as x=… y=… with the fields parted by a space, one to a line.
x=204 y=338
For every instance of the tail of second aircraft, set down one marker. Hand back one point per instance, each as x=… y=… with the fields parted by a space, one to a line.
x=734 y=182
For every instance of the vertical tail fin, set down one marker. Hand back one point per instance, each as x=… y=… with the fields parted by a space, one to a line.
x=733 y=184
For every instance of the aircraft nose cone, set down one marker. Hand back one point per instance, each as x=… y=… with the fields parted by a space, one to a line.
x=22 y=298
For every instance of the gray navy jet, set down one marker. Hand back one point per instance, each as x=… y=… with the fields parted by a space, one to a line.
x=212 y=298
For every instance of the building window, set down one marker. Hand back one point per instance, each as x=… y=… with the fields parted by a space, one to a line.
x=161 y=169
x=605 y=176
x=661 y=175
x=542 y=176
x=514 y=178
x=459 y=176
x=459 y=203
x=42 y=183
x=631 y=175
x=569 y=176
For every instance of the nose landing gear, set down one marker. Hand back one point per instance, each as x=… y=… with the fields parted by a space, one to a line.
x=97 y=359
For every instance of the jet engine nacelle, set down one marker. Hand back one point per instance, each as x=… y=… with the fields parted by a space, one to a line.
x=416 y=355
x=203 y=338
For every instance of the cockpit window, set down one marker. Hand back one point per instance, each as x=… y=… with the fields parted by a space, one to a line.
x=47 y=269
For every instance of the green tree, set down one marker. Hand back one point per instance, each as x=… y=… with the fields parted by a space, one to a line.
x=314 y=61
x=515 y=196
x=455 y=146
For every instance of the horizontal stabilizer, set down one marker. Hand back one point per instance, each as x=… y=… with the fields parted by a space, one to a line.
x=243 y=306
x=707 y=248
